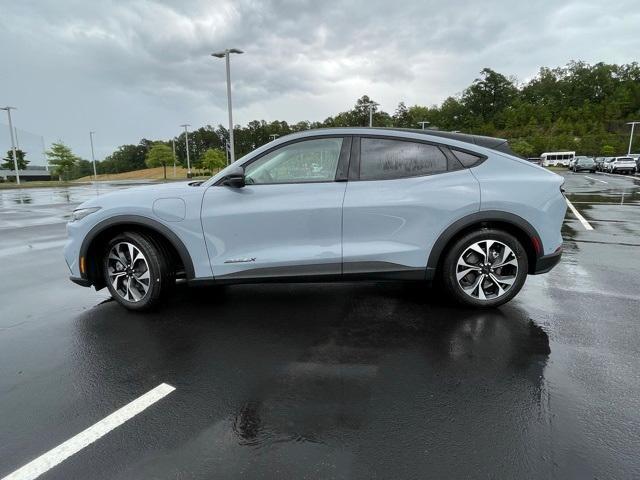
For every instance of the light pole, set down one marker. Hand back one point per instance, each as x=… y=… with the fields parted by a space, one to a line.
x=173 y=141
x=424 y=124
x=633 y=124
x=186 y=142
x=13 y=143
x=44 y=154
x=225 y=54
x=273 y=136
x=371 y=105
x=93 y=157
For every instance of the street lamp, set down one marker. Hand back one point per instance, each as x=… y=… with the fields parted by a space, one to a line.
x=13 y=143
x=371 y=105
x=186 y=141
x=633 y=124
x=173 y=141
x=93 y=157
x=225 y=54
x=424 y=124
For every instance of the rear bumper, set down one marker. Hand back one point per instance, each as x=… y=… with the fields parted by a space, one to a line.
x=547 y=262
x=84 y=282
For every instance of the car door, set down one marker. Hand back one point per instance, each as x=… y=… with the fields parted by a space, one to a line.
x=400 y=196
x=287 y=219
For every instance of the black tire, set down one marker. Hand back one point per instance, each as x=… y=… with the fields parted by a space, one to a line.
x=161 y=273
x=450 y=268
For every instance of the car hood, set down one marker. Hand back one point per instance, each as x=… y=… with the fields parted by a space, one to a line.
x=134 y=194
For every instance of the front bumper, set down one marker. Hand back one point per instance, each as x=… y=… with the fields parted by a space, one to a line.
x=547 y=262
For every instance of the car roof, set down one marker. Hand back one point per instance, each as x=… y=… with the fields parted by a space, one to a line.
x=492 y=143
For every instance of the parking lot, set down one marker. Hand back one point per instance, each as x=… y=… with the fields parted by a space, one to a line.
x=370 y=380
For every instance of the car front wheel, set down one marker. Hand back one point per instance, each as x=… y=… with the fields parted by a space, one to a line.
x=485 y=268
x=136 y=270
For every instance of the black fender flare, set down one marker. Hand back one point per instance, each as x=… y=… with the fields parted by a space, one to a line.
x=148 y=223
x=478 y=217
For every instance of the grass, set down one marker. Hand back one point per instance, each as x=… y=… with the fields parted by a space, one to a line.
x=154 y=174
x=146 y=174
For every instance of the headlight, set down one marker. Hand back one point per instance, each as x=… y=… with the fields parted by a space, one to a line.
x=80 y=213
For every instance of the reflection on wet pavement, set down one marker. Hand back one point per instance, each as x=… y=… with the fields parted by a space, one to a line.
x=370 y=374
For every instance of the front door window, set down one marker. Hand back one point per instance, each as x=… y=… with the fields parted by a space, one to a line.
x=301 y=162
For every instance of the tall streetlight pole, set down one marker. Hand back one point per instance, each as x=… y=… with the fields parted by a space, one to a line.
x=633 y=124
x=44 y=154
x=93 y=157
x=13 y=143
x=371 y=105
x=225 y=54
x=173 y=141
x=424 y=124
x=186 y=142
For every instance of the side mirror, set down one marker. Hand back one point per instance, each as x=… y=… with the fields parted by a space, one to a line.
x=235 y=178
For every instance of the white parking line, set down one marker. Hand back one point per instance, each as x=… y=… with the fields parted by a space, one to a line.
x=583 y=221
x=53 y=457
x=601 y=181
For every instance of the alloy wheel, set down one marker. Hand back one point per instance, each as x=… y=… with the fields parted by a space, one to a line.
x=487 y=269
x=128 y=271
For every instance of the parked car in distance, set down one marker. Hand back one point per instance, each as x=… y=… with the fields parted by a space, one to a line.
x=583 y=164
x=623 y=165
x=599 y=161
x=606 y=166
x=332 y=204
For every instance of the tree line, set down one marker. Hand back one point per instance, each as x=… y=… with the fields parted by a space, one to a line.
x=578 y=107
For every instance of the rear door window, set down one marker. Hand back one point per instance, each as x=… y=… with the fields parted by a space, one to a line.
x=385 y=159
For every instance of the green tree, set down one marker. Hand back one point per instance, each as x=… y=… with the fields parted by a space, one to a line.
x=523 y=148
x=126 y=158
x=214 y=159
x=608 y=150
x=160 y=155
x=8 y=162
x=62 y=159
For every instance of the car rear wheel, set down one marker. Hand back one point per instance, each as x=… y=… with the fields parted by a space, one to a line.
x=485 y=268
x=136 y=270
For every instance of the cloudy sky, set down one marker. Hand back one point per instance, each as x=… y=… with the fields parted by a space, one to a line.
x=140 y=68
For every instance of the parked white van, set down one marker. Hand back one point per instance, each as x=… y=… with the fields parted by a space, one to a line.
x=557 y=159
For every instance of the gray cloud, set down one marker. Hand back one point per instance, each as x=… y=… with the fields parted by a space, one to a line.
x=140 y=68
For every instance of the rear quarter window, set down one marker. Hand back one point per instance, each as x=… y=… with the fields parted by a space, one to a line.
x=467 y=159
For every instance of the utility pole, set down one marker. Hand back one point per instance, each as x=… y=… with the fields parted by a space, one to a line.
x=93 y=157
x=173 y=141
x=633 y=124
x=225 y=54
x=424 y=124
x=44 y=154
x=13 y=143
x=186 y=142
x=371 y=105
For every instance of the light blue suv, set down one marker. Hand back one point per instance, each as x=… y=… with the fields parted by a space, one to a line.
x=332 y=204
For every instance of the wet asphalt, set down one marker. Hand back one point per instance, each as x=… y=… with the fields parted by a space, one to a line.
x=369 y=380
